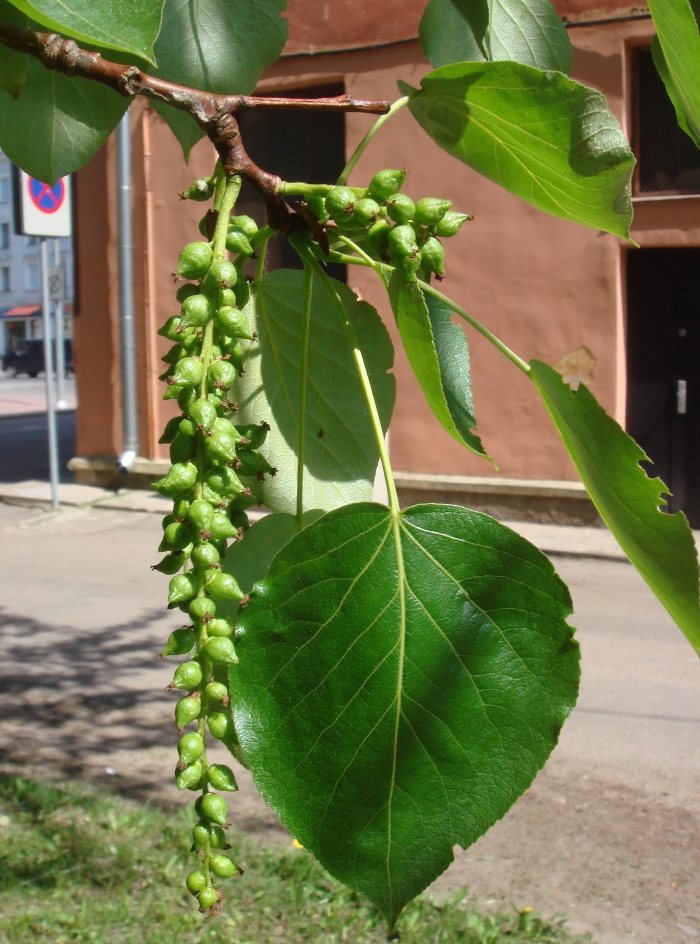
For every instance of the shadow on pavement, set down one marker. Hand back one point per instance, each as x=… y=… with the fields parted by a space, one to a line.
x=24 y=450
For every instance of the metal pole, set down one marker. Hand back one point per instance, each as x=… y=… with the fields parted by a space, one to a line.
x=126 y=295
x=48 y=373
x=60 y=349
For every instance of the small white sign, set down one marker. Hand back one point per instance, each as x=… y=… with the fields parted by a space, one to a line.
x=45 y=210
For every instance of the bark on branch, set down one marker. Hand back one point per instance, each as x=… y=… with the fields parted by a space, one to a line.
x=214 y=113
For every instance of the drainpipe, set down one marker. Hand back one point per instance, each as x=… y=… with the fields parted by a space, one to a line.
x=130 y=440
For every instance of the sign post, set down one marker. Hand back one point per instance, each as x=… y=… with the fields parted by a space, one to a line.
x=44 y=210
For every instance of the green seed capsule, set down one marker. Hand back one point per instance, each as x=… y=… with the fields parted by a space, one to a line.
x=217 y=691
x=169 y=565
x=378 y=238
x=401 y=208
x=221 y=778
x=185 y=397
x=182 y=448
x=221 y=528
x=220 y=725
x=225 y=587
x=402 y=243
x=175 y=537
x=224 y=481
x=203 y=413
x=254 y=463
x=190 y=747
x=187 y=710
x=188 y=675
x=317 y=204
x=232 y=322
x=182 y=587
x=221 y=650
x=207 y=898
x=170 y=431
x=385 y=184
x=433 y=256
x=237 y=242
x=255 y=434
x=180 y=478
x=196 y=311
x=450 y=223
x=200 y=189
x=202 y=609
x=180 y=643
x=222 y=373
x=222 y=274
x=340 y=204
x=222 y=866
x=246 y=224
x=430 y=210
x=200 y=514
x=213 y=807
x=208 y=834
x=184 y=291
x=172 y=329
x=181 y=506
x=190 y=777
x=205 y=556
x=188 y=372
x=194 y=260
x=219 y=627
x=242 y=293
x=220 y=448
x=196 y=881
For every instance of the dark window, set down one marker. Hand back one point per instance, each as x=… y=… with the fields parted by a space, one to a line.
x=668 y=159
x=306 y=146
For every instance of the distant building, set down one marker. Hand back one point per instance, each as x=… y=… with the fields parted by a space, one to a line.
x=20 y=274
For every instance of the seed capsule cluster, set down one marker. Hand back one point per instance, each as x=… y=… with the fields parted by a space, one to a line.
x=212 y=458
x=389 y=225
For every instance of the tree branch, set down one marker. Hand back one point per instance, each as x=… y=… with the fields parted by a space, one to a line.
x=214 y=113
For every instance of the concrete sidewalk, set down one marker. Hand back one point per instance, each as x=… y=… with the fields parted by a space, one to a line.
x=563 y=540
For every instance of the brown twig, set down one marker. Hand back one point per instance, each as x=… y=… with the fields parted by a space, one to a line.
x=214 y=113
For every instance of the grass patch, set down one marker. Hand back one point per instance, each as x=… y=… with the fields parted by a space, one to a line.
x=82 y=867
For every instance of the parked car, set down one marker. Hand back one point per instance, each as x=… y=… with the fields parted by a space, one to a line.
x=28 y=357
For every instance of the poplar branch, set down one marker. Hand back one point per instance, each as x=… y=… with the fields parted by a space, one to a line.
x=213 y=112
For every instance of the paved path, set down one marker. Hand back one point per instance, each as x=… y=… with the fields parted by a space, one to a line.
x=20 y=395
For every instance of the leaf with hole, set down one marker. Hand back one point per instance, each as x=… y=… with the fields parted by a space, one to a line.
x=542 y=136
x=527 y=31
x=402 y=679
x=341 y=455
x=660 y=545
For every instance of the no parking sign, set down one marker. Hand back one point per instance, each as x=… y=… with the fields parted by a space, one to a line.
x=42 y=209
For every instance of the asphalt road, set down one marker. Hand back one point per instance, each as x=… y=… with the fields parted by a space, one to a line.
x=24 y=450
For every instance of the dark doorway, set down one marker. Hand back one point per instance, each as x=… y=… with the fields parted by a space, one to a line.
x=663 y=368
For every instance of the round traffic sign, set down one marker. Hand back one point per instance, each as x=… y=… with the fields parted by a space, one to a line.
x=46 y=199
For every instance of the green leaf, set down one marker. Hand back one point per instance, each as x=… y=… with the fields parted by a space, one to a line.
x=547 y=139
x=401 y=681
x=218 y=45
x=437 y=351
x=660 y=545
x=527 y=31
x=676 y=53
x=182 y=125
x=129 y=26
x=57 y=123
x=13 y=65
x=341 y=455
x=249 y=560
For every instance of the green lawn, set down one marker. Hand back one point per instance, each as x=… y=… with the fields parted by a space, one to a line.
x=82 y=867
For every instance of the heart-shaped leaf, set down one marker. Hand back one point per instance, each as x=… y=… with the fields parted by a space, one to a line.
x=402 y=679
x=527 y=31
x=547 y=139
x=659 y=545
x=129 y=26
x=341 y=455
x=57 y=123
x=437 y=351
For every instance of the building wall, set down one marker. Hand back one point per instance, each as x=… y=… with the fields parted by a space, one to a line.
x=550 y=289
